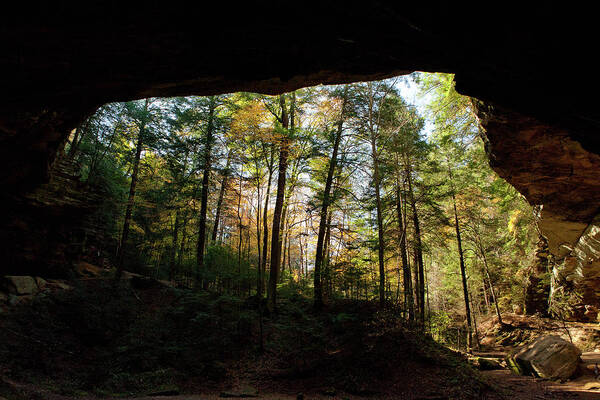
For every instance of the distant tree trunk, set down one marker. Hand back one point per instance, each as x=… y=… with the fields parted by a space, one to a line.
x=263 y=266
x=220 y=199
x=326 y=257
x=319 y=255
x=378 y=203
x=131 y=198
x=204 y=195
x=487 y=272
x=463 y=271
x=289 y=258
x=418 y=251
x=240 y=220
x=174 y=246
x=286 y=120
x=476 y=332
x=406 y=274
x=183 y=240
x=258 y=236
x=284 y=248
x=290 y=187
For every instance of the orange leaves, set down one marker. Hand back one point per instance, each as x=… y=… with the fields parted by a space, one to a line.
x=252 y=121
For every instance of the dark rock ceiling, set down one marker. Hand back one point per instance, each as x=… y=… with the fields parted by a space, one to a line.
x=532 y=68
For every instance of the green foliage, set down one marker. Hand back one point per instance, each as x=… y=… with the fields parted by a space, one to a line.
x=425 y=153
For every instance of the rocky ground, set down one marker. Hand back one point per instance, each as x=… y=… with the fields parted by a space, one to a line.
x=520 y=331
x=147 y=340
x=523 y=329
x=93 y=339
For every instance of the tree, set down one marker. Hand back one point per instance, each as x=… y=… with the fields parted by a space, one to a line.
x=325 y=216
x=285 y=118
x=141 y=117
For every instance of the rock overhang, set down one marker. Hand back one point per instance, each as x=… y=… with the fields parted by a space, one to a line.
x=61 y=61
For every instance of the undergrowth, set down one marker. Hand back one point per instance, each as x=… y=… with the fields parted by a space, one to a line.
x=123 y=341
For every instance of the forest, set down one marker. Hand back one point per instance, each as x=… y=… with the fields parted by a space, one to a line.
x=333 y=192
x=347 y=240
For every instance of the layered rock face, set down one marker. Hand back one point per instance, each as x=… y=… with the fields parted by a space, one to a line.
x=48 y=229
x=553 y=170
x=61 y=61
x=537 y=288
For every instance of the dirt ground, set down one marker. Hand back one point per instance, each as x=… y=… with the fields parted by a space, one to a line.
x=517 y=387
x=508 y=386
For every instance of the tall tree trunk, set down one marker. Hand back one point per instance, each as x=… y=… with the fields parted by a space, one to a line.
x=263 y=266
x=258 y=235
x=240 y=220
x=204 y=195
x=220 y=199
x=378 y=204
x=487 y=272
x=463 y=271
x=318 y=285
x=284 y=247
x=406 y=274
x=380 y=233
x=418 y=251
x=290 y=187
x=174 y=246
x=326 y=258
x=286 y=120
x=131 y=198
x=183 y=241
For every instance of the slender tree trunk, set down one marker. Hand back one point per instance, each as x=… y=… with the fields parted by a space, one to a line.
x=284 y=248
x=406 y=274
x=263 y=266
x=131 y=198
x=220 y=199
x=183 y=240
x=174 y=246
x=258 y=235
x=318 y=285
x=378 y=203
x=290 y=187
x=380 y=233
x=463 y=271
x=240 y=220
x=476 y=332
x=286 y=121
x=485 y=296
x=301 y=266
x=418 y=251
x=326 y=258
x=204 y=195
x=487 y=272
x=289 y=258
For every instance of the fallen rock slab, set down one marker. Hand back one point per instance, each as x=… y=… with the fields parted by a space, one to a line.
x=549 y=357
x=20 y=285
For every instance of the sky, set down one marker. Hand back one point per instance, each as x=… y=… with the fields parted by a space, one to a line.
x=409 y=91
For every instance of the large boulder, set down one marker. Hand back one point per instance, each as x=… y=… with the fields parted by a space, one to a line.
x=20 y=285
x=549 y=357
